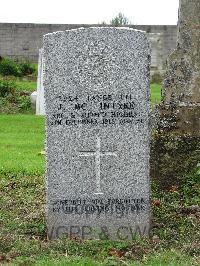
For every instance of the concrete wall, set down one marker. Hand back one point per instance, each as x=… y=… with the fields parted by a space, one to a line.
x=19 y=40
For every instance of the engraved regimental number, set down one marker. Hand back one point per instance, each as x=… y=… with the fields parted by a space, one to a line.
x=97 y=154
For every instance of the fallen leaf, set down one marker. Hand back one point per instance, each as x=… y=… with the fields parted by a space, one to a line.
x=2 y=257
x=155 y=239
x=173 y=189
x=115 y=253
x=156 y=202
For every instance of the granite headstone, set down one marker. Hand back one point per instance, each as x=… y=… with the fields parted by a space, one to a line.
x=97 y=133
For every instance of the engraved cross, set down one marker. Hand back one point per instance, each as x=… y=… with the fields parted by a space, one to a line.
x=97 y=154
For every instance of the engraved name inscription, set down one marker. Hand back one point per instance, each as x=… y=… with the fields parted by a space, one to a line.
x=96 y=109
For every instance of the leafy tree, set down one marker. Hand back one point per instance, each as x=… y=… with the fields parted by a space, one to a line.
x=120 y=20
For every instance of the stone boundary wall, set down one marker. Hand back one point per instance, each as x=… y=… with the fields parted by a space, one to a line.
x=23 y=40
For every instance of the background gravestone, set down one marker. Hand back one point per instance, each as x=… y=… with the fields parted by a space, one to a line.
x=182 y=80
x=97 y=133
x=175 y=151
x=40 y=104
x=157 y=58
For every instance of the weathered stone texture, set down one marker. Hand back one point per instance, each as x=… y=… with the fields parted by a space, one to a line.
x=182 y=81
x=175 y=146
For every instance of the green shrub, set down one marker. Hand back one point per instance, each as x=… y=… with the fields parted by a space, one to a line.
x=11 y=100
x=9 y=68
x=27 y=68
x=7 y=107
x=6 y=87
x=24 y=103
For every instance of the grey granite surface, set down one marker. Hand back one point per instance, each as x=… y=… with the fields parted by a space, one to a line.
x=97 y=133
x=182 y=77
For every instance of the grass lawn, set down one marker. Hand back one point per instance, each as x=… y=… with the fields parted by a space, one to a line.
x=26 y=85
x=155 y=93
x=21 y=143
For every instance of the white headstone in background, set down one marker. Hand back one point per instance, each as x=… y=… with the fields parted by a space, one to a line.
x=40 y=104
x=33 y=100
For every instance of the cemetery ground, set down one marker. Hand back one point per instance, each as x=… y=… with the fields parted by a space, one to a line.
x=174 y=238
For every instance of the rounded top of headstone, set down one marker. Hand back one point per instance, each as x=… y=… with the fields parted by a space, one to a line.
x=96 y=57
x=92 y=29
